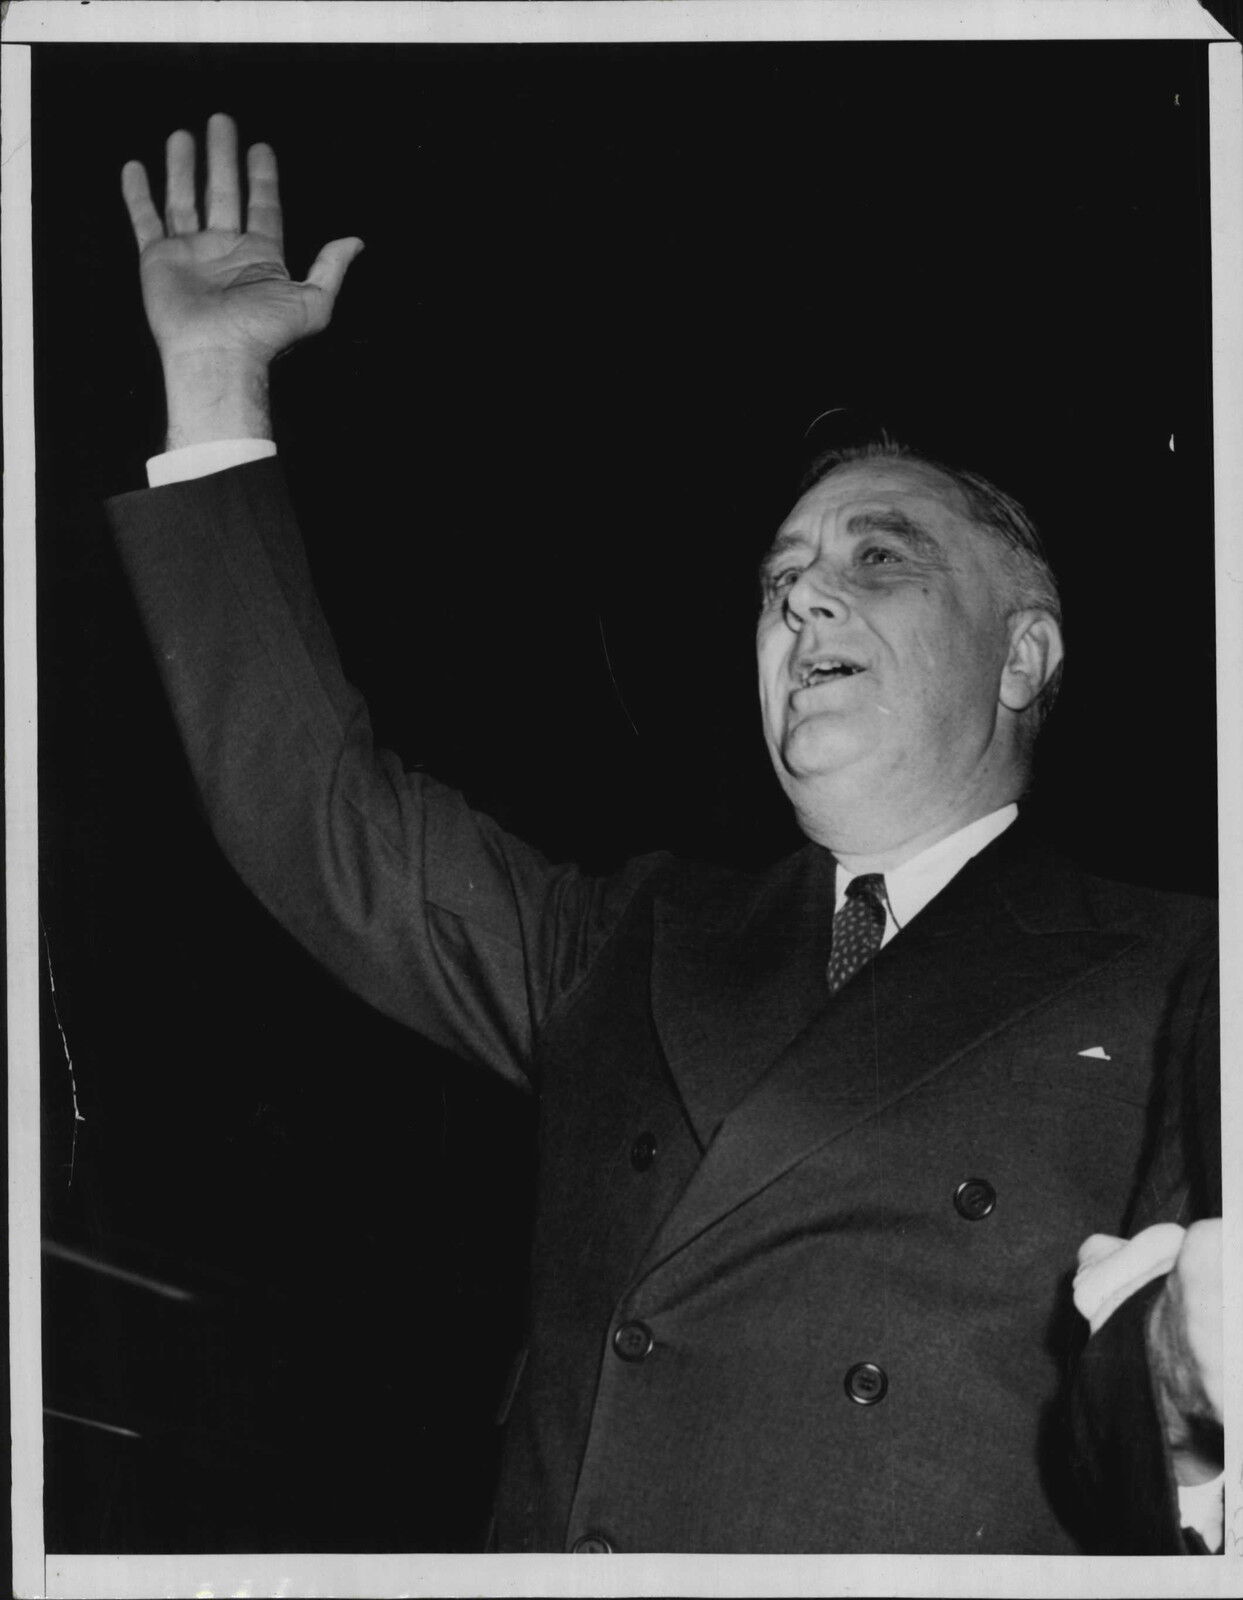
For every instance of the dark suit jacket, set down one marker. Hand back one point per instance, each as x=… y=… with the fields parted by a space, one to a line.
x=761 y=1321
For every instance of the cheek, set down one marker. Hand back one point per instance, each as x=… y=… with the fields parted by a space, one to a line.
x=770 y=653
x=953 y=662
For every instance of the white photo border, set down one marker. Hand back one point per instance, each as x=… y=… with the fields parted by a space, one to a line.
x=37 y=1574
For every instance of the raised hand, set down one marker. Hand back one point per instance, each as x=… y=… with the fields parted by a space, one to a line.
x=219 y=299
x=222 y=286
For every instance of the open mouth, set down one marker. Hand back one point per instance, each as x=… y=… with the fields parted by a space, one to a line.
x=814 y=672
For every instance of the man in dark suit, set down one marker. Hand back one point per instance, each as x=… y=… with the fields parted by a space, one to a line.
x=819 y=1144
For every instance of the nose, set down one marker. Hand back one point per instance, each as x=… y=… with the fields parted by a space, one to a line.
x=816 y=594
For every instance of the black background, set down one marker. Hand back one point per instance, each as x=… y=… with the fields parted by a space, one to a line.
x=537 y=457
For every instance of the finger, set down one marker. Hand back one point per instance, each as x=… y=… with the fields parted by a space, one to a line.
x=331 y=264
x=136 y=192
x=223 y=196
x=263 y=211
x=180 y=213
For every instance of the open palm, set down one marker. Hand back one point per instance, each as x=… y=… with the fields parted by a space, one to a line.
x=222 y=287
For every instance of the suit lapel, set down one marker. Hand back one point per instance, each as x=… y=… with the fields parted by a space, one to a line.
x=1012 y=930
x=737 y=976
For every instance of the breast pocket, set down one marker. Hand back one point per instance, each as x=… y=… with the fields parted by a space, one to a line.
x=1090 y=1064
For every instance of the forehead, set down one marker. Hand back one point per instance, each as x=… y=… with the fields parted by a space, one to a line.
x=923 y=495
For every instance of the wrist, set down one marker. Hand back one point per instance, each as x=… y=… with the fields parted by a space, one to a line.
x=215 y=394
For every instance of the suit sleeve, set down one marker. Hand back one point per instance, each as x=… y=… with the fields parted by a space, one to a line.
x=1120 y=1463
x=424 y=908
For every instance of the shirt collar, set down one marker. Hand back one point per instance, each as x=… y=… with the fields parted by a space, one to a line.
x=909 y=888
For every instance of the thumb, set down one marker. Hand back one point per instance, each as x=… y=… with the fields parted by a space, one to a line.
x=331 y=264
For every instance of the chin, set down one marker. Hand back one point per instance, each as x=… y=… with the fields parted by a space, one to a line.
x=815 y=750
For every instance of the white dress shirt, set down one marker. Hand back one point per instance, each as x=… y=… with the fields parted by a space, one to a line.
x=909 y=888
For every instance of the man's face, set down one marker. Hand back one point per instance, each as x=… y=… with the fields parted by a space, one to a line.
x=881 y=646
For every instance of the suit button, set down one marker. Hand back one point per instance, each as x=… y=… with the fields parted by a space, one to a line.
x=643 y=1152
x=866 y=1383
x=974 y=1199
x=633 y=1341
x=591 y=1544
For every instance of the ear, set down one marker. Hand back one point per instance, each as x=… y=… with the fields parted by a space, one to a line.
x=1035 y=655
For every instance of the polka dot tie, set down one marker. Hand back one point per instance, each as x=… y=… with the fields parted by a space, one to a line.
x=857 y=929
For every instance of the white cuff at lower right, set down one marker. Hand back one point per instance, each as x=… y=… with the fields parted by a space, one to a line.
x=1110 y=1271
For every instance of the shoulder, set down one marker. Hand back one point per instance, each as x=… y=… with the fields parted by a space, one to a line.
x=1178 y=923
x=1052 y=891
x=1154 y=942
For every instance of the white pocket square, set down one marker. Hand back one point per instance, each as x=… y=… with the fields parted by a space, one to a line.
x=1096 y=1052
x=1110 y=1270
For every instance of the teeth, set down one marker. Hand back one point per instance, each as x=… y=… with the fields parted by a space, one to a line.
x=826 y=669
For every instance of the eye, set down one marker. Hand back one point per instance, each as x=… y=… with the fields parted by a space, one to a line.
x=777 y=583
x=879 y=555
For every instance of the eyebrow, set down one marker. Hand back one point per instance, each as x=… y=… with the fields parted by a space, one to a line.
x=913 y=534
x=895 y=523
x=781 y=545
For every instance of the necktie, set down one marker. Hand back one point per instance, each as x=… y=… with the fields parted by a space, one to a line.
x=857 y=929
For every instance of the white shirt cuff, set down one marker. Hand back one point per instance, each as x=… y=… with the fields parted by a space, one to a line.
x=1112 y=1270
x=197 y=460
x=1202 y=1506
